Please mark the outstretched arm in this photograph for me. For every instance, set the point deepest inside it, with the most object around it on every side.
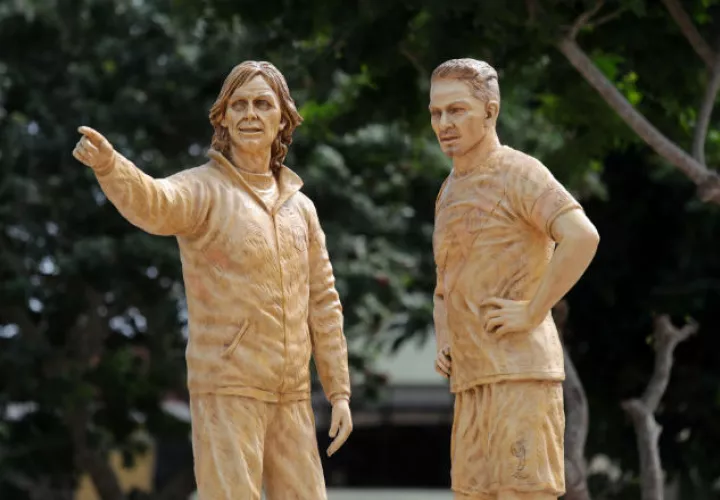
(172, 206)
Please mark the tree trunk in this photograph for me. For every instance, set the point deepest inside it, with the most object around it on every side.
(576, 419)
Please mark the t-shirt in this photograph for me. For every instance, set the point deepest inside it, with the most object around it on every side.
(264, 186)
(492, 239)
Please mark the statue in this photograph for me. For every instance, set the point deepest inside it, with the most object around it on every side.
(509, 243)
(260, 291)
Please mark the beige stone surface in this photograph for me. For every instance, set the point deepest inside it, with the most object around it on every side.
(259, 283)
(509, 435)
(509, 242)
(241, 443)
(492, 239)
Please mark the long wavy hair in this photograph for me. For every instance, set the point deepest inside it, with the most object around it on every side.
(240, 74)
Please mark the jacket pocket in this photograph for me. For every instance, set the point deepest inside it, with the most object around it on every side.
(299, 236)
(230, 348)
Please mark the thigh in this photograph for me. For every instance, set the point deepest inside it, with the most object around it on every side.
(470, 460)
(531, 443)
(228, 443)
(292, 468)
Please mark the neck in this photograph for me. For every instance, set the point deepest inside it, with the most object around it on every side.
(478, 155)
(256, 163)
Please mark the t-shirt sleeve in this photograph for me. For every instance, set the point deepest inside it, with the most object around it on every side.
(538, 197)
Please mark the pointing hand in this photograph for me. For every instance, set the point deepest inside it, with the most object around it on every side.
(93, 149)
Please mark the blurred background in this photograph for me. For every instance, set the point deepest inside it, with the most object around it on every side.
(614, 97)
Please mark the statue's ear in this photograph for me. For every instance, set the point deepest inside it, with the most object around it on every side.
(492, 109)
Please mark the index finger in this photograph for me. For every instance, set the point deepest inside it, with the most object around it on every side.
(493, 302)
(95, 137)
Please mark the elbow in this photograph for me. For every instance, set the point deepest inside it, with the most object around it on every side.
(592, 237)
(583, 238)
(588, 239)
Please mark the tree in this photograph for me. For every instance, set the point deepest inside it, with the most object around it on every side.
(693, 166)
(92, 308)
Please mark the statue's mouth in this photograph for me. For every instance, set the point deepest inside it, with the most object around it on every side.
(449, 138)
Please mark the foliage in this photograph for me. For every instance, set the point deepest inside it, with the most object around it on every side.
(93, 308)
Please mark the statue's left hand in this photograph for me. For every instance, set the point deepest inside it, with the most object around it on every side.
(508, 316)
(341, 425)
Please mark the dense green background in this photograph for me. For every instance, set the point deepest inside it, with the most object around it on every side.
(145, 74)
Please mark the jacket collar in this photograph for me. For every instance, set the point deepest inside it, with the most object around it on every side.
(288, 181)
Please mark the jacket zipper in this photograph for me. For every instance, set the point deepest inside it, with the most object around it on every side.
(282, 292)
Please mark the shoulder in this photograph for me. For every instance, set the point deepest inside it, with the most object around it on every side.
(200, 174)
(305, 205)
(443, 186)
(303, 201)
(521, 168)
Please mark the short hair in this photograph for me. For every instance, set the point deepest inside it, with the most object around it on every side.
(239, 75)
(481, 77)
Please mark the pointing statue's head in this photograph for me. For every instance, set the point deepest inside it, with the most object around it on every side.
(254, 111)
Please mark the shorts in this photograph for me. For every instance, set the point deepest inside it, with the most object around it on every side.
(241, 444)
(509, 436)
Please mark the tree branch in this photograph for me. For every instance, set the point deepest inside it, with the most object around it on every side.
(412, 58)
(90, 460)
(687, 27)
(576, 430)
(532, 9)
(667, 337)
(642, 411)
(85, 345)
(576, 419)
(87, 337)
(708, 181)
(706, 109)
(584, 19)
(609, 17)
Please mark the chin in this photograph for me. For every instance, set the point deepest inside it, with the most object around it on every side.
(452, 152)
(253, 145)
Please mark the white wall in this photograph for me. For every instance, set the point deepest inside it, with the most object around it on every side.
(412, 364)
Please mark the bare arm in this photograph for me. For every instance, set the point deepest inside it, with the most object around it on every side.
(577, 241)
(443, 363)
(548, 207)
(442, 337)
(172, 206)
(440, 315)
